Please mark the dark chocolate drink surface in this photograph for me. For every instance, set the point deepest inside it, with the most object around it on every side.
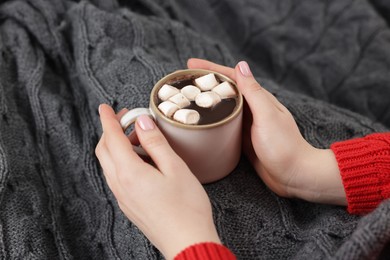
(210, 115)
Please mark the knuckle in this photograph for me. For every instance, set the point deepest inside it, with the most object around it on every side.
(121, 206)
(114, 133)
(122, 175)
(254, 86)
(177, 165)
(98, 149)
(154, 141)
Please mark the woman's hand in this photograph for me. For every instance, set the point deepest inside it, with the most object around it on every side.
(167, 203)
(285, 161)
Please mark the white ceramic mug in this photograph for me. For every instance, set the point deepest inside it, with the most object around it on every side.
(211, 151)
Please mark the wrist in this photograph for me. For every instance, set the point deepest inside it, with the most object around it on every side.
(320, 180)
(206, 250)
(188, 237)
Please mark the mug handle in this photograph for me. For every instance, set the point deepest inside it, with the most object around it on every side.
(129, 118)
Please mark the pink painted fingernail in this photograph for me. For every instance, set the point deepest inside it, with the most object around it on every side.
(244, 69)
(145, 122)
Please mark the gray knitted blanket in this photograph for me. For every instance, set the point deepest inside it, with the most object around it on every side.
(327, 61)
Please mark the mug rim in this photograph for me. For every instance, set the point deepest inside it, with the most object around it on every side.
(159, 84)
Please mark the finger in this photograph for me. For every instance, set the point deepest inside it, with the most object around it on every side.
(207, 65)
(155, 144)
(252, 157)
(258, 100)
(270, 96)
(106, 162)
(121, 113)
(247, 117)
(247, 146)
(132, 136)
(118, 146)
(275, 101)
(104, 157)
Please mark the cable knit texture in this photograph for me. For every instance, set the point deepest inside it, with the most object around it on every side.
(364, 165)
(328, 62)
(206, 251)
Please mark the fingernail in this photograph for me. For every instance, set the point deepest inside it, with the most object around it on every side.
(99, 108)
(145, 122)
(244, 68)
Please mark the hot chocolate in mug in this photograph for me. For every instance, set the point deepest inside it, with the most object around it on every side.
(211, 150)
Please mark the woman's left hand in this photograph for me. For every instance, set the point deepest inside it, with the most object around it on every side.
(168, 204)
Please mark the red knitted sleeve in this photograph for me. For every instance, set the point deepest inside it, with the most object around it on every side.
(206, 251)
(364, 165)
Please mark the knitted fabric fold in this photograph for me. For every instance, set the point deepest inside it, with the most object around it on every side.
(327, 61)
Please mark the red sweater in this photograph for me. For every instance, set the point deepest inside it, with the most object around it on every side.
(364, 165)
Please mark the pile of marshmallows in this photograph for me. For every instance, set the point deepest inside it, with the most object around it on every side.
(207, 93)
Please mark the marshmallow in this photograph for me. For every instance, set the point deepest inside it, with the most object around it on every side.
(167, 91)
(190, 92)
(187, 116)
(225, 90)
(207, 99)
(206, 82)
(180, 100)
(168, 108)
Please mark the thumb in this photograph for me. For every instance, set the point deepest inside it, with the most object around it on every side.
(259, 100)
(155, 144)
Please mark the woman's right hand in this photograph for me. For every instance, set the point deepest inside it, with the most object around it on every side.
(284, 160)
